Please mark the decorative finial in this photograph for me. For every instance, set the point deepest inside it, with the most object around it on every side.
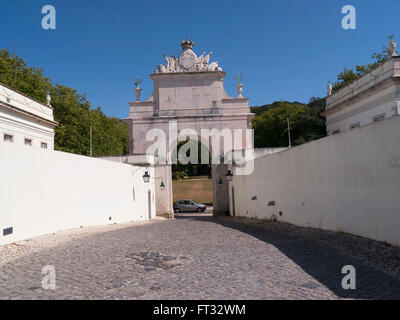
(48, 99)
(238, 78)
(239, 86)
(392, 46)
(187, 44)
(137, 82)
(330, 88)
(138, 90)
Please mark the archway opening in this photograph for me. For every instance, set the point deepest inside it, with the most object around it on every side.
(192, 177)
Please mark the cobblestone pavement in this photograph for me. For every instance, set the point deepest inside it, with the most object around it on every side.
(199, 257)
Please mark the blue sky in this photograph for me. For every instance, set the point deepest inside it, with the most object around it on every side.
(285, 49)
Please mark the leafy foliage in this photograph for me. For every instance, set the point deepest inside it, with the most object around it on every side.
(238, 78)
(306, 123)
(137, 82)
(180, 170)
(271, 127)
(72, 111)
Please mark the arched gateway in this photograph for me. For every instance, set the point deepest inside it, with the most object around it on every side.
(188, 94)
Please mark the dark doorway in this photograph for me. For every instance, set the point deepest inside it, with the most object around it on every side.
(149, 200)
(233, 202)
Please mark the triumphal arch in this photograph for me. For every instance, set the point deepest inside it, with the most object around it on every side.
(189, 94)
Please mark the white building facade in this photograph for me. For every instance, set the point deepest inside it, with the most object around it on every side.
(25, 121)
(188, 96)
(190, 91)
(373, 97)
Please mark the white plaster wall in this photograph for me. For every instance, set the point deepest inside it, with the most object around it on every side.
(164, 198)
(365, 111)
(21, 128)
(162, 173)
(44, 191)
(348, 182)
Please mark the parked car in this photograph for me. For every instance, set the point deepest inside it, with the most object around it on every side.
(189, 206)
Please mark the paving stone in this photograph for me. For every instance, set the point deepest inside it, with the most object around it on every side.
(199, 257)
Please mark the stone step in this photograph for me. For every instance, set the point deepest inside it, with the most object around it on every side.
(165, 215)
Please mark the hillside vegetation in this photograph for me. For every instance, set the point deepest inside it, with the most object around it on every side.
(72, 110)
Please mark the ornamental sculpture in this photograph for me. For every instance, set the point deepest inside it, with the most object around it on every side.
(392, 48)
(188, 61)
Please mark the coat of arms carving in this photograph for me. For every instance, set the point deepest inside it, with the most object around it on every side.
(188, 61)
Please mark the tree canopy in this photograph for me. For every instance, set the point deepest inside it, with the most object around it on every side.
(72, 110)
(306, 123)
(180, 170)
(271, 126)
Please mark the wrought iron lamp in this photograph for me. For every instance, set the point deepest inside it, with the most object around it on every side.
(146, 177)
(229, 175)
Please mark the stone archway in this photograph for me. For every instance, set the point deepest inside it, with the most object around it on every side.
(189, 95)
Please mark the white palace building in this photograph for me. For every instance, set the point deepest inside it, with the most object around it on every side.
(25, 121)
(373, 97)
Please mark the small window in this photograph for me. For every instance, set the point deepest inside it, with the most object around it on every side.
(379, 117)
(43, 145)
(355, 125)
(336, 132)
(28, 142)
(8, 138)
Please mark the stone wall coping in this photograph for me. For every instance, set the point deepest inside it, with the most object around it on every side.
(389, 69)
(18, 100)
(184, 74)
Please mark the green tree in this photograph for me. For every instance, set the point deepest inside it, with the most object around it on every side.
(306, 123)
(191, 169)
(72, 111)
(30, 80)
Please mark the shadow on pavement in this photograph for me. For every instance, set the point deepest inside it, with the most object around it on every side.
(321, 262)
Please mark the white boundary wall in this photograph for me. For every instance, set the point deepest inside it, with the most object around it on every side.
(348, 182)
(44, 191)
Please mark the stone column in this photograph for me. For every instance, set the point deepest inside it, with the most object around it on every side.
(164, 198)
(220, 193)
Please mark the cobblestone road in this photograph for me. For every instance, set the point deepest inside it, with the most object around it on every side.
(199, 257)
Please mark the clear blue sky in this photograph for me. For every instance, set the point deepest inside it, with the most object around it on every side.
(286, 49)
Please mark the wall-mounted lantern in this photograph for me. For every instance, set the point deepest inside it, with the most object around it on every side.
(162, 186)
(146, 177)
(220, 183)
(229, 175)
